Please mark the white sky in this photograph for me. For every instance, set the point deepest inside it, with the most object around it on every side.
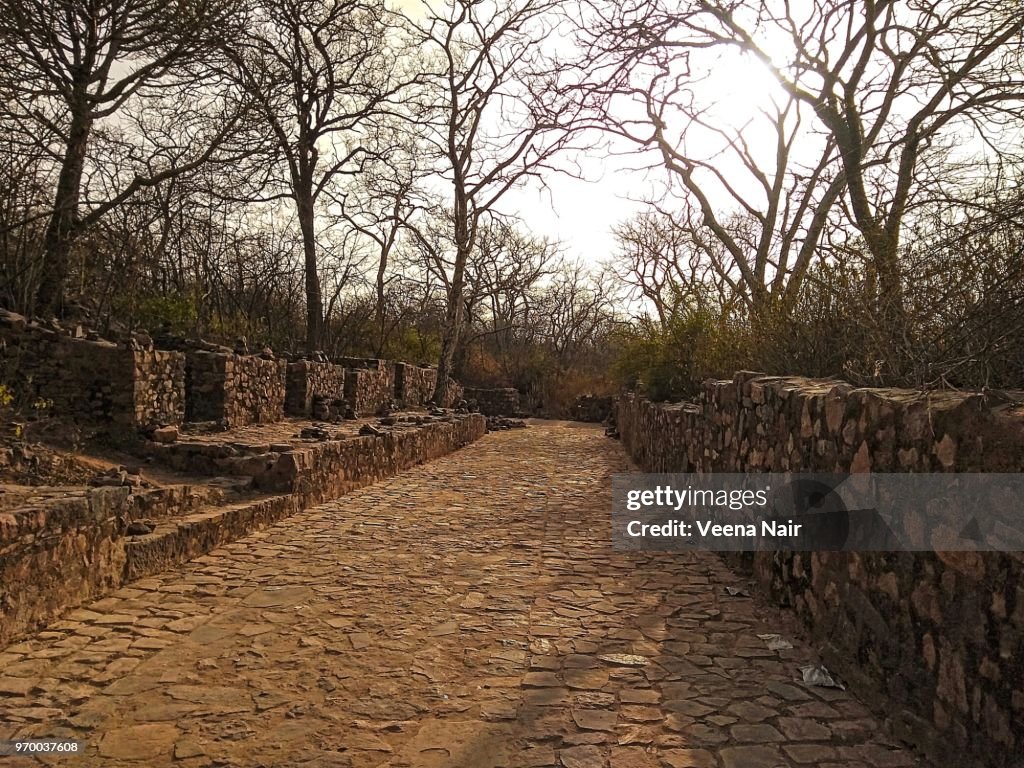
(581, 213)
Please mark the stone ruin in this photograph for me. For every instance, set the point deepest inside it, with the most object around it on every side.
(136, 385)
(414, 384)
(315, 389)
(67, 543)
(369, 384)
(494, 402)
(116, 388)
(233, 390)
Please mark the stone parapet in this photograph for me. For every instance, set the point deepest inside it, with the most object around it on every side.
(939, 635)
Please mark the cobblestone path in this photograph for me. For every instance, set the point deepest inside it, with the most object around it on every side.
(469, 613)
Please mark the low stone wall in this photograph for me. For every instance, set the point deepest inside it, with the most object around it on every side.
(58, 552)
(233, 390)
(68, 547)
(369, 385)
(95, 383)
(939, 635)
(326, 470)
(494, 402)
(199, 533)
(414, 384)
(309, 381)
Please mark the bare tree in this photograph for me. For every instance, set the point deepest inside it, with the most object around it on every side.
(888, 81)
(493, 120)
(755, 196)
(503, 278)
(577, 312)
(883, 89)
(663, 264)
(24, 201)
(321, 73)
(381, 203)
(71, 63)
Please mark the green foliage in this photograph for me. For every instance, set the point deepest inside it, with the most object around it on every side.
(413, 345)
(176, 310)
(669, 361)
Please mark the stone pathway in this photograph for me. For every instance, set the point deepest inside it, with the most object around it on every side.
(469, 613)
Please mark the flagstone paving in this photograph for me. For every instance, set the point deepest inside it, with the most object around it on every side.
(469, 613)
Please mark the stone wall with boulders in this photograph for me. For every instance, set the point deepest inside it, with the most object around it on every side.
(312, 384)
(233, 390)
(414, 384)
(109, 386)
(369, 384)
(494, 402)
(939, 635)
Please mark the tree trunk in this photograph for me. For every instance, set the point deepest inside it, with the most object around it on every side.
(381, 317)
(61, 229)
(314, 299)
(452, 326)
(884, 250)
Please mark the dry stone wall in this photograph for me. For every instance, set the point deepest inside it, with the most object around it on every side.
(116, 387)
(159, 388)
(494, 402)
(414, 384)
(69, 546)
(97, 383)
(369, 384)
(59, 552)
(234, 390)
(310, 382)
(332, 468)
(939, 635)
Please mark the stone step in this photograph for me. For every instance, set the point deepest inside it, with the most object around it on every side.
(57, 558)
(179, 540)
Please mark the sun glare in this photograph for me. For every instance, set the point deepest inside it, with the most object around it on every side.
(740, 87)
